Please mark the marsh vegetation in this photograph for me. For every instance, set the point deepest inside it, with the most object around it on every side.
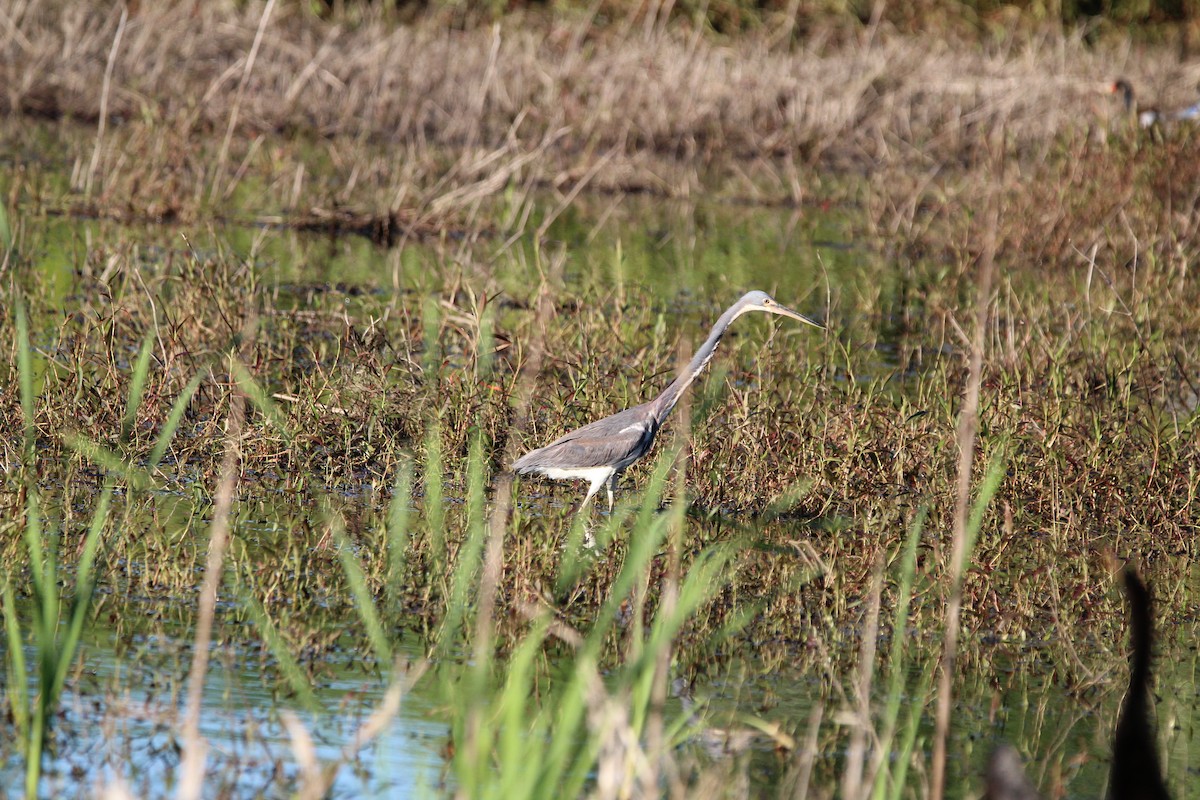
(286, 294)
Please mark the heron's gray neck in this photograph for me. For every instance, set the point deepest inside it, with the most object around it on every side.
(670, 396)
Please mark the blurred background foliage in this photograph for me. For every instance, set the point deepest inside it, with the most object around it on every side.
(738, 16)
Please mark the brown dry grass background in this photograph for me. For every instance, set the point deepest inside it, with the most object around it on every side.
(188, 110)
(660, 105)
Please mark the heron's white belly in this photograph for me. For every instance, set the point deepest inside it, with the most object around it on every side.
(596, 475)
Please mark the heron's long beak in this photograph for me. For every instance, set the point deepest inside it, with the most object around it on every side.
(787, 312)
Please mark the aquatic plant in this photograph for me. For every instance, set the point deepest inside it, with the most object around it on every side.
(58, 616)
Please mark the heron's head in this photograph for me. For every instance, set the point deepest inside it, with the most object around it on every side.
(761, 301)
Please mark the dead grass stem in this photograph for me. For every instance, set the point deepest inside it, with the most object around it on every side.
(968, 427)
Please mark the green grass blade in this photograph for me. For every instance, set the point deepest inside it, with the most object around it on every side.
(33, 537)
(921, 700)
(293, 673)
(258, 397)
(707, 575)
(33, 519)
(84, 587)
(6, 234)
(18, 697)
(33, 754)
(113, 464)
(397, 534)
(364, 602)
(25, 376)
(987, 490)
(48, 659)
(649, 530)
(471, 552)
(435, 501)
(173, 419)
(897, 656)
(137, 385)
(519, 743)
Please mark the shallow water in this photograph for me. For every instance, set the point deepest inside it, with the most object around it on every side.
(122, 714)
(123, 708)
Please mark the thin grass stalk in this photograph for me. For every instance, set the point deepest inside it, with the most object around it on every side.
(45, 630)
(807, 754)
(251, 391)
(435, 506)
(137, 385)
(223, 156)
(85, 585)
(397, 535)
(105, 88)
(493, 558)
(967, 428)
(191, 780)
(469, 556)
(111, 462)
(33, 521)
(6, 236)
(18, 697)
(897, 657)
(431, 323)
(312, 777)
(651, 695)
(660, 675)
(856, 751)
(908, 742)
(41, 565)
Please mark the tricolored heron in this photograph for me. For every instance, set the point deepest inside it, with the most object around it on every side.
(600, 451)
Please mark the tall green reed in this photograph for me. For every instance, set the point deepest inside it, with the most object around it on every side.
(538, 726)
(6, 235)
(58, 619)
(889, 781)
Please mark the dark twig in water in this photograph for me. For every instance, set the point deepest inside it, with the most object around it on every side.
(1136, 773)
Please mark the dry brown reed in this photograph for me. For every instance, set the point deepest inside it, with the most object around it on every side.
(960, 547)
(192, 768)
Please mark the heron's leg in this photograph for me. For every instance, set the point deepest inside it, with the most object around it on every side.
(589, 541)
(595, 487)
(612, 487)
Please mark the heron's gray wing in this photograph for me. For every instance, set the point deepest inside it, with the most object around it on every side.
(615, 441)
